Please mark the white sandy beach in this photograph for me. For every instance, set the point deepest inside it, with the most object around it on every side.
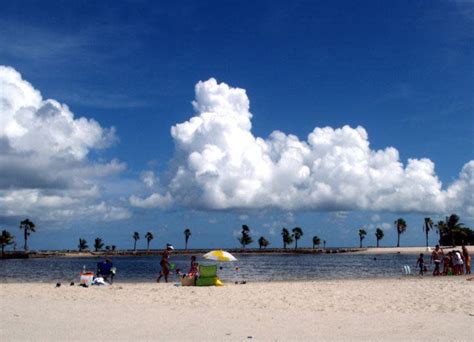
(412, 308)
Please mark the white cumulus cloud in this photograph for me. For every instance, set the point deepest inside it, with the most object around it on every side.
(219, 165)
(45, 168)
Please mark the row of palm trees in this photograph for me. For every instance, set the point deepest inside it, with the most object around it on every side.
(98, 243)
(379, 234)
(451, 231)
(287, 237)
(7, 238)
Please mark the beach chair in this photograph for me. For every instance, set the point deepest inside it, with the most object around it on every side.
(207, 275)
(106, 271)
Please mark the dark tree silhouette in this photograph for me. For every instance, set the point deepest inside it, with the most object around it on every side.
(401, 227)
(5, 239)
(187, 234)
(28, 227)
(82, 245)
(316, 241)
(148, 236)
(362, 234)
(98, 244)
(135, 237)
(262, 242)
(297, 233)
(287, 237)
(427, 227)
(379, 235)
(245, 239)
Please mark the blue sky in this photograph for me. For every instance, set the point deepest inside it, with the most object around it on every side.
(402, 70)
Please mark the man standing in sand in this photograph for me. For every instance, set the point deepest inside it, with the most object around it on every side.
(436, 256)
(164, 263)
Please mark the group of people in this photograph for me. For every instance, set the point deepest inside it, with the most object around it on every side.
(455, 262)
(166, 265)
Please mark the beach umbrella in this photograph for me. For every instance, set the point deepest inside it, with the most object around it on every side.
(219, 255)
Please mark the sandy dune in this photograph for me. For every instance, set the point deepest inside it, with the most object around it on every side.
(383, 309)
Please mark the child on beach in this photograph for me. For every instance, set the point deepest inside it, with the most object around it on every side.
(193, 270)
(421, 264)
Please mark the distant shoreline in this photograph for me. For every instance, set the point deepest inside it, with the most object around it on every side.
(237, 251)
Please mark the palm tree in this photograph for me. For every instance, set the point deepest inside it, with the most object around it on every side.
(187, 234)
(135, 237)
(82, 245)
(28, 228)
(148, 236)
(245, 239)
(297, 233)
(427, 227)
(98, 244)
(362, 234)
(287, 237)
(401, 226)
(379, 235)
(454, 232)
(5, 239)
(262, 242)
(316, 241)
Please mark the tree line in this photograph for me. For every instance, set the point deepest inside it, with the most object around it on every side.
(450, 230)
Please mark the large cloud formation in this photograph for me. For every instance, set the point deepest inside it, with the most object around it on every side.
(219, 164)
(44, 164)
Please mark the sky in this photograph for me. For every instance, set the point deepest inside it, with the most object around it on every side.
(123, 116)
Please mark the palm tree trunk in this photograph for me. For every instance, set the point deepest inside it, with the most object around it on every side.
(148, 246)
(427, 238)
(360, 243)
(135, 246)
(26, 239)
(296, 244)
(377, 243)
(186, 245)
(398, 239)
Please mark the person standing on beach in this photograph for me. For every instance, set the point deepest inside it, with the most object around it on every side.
(467, 259)
(458, 263)
(165, 264)
(436, 256)
(421, 263)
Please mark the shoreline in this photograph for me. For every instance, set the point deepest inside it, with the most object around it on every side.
(272, 251)
(359, 309)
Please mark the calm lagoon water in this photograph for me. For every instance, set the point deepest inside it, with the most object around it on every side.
(263, 267)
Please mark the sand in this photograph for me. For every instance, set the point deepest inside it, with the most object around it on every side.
(409, 308)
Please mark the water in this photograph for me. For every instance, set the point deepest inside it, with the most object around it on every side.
(262, 267)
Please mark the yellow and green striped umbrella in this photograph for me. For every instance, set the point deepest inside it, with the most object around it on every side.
(219, 255)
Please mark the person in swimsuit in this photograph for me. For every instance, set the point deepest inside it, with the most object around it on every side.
(436, 256)
(193, 270)
(165, 264)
